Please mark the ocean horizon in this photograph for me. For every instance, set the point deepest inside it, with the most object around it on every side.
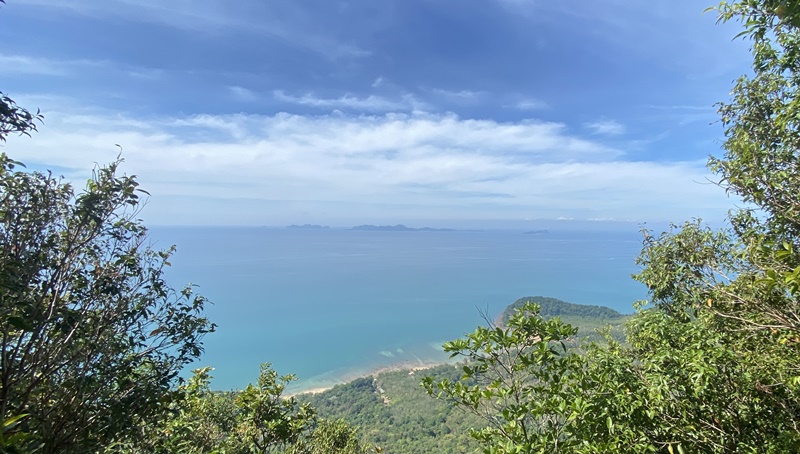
(329, 305)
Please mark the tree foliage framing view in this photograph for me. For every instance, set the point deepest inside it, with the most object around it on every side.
(92, 338)
(712, 365)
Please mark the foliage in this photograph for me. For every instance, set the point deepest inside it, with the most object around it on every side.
(677, 386)
(392, 411)
(514, 378)
(12, 440)
(15, 119)
(331, 437)
(91, 336)
(740, 285)
(269, 419)
(595, 323)
(712, 364)
(259, 419)
(198, 420)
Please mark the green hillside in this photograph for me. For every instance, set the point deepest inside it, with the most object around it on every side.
(391, 410)
(552, 307)
(589, 319)
(394, 412)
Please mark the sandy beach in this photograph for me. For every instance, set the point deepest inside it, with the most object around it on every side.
(410, 366)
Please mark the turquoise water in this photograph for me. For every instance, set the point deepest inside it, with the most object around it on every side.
(328, 305)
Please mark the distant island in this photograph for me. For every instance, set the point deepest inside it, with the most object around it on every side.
(308, 227)
(536, 232)
(397, 228)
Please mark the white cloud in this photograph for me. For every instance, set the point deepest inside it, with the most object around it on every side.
(20, 64)
(256, 169)
(683, 107)
(459, 95)
(370, 103)
(606, 127)
(685, 114)
(41, 66)
(242, 94)
(149, 74)
(26, 64)
(529, 104)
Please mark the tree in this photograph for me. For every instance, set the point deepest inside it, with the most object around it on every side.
(517, 378)
(271, 421)
(91, 336)
(259, 419)
(199, 421)
(268, 421)
(712, 364)
(679, 384)
(332, 437)
(15, 119)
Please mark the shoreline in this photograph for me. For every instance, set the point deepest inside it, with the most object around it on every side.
(411, 366)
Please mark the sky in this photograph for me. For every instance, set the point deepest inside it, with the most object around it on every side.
(423, 112)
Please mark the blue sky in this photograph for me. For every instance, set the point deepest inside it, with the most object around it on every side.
(436, 112)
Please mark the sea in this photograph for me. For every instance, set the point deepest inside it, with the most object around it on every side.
(332, 304)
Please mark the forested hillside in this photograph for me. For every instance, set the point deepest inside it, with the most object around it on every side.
(593, 322)
(552, 307)
(392, 409)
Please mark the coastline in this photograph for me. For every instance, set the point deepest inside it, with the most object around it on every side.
(409, 365)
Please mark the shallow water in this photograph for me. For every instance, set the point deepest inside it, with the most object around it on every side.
(328, 305)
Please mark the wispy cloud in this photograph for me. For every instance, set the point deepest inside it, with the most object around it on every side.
(242, 94)
(33, 65)
(209, 16)
(682, 107)
(150, 74)
(361, 165)
(674, 31)
(684, 114)
(20, 64)
(459, 95)
(606, 127)
(529, 104)
(42, 66)
(372, 103)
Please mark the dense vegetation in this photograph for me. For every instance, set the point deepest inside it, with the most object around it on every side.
(712, 365)
(92, 338)
(594, 323)
(257, 419)
(393, 411)
(552, 307)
